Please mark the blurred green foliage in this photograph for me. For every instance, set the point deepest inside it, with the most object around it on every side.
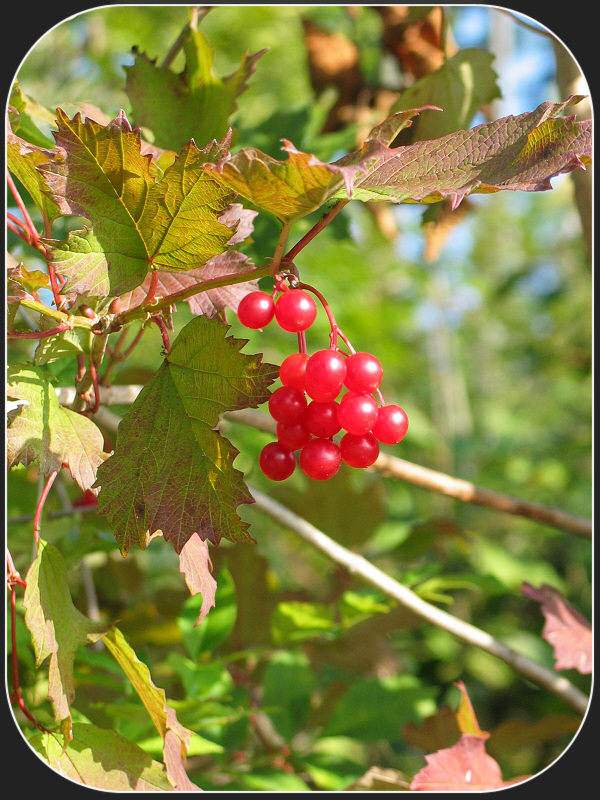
(488, 348)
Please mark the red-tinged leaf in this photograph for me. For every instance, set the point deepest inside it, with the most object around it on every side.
(40, 428)
(566, 629)
(57, 628)
(194, 104)
(171, 471)
(208, 303)
(293, 188)
(195, 564)
(102, 759)
(465, 767)
(465, 716)
(139, 215)
(176, 737)
(515, 153)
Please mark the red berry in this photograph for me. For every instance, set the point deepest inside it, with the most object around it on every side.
(325, 373)
(321, 419)
(292, 370)
(293, 436)
(320, 459)
(391, 425)
(276, 461)
(88, 498)
(363, 373)
(295, 311)
(287, 404)
(357, 413)
(256, 310)
(359, 451)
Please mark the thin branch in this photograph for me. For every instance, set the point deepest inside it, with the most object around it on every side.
(170, 300)
(317, 228)
(357, 565)
(160, 323)
(64, 326)
(40, 506)
(393, 467)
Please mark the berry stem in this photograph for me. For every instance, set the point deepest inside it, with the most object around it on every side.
(302, 342)
(278, 254)
(64, 326)
(308, 237)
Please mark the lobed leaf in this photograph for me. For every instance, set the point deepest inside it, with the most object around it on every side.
(40, 428)
(139, 217)
(102, 759)
(57, 627)
(171, 471)
(514, 153)
(465, 767)
(195, 104)
(566, 629)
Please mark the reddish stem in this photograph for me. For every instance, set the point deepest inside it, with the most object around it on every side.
(18, 222)
(308, 237)
(64, 326)
(163, 331)
(40, 506)
(24, 235)
(335, 330)
(94, 375)
(16, 693)
(138, 336)
(302, 342)
(28, 221)
(152, 288)
(59, 301)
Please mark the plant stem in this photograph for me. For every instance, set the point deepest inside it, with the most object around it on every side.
(152, 288)
(54, 313)
(279, 248)
(28, 221)
(213, 283)
(39, 334)
(40, 506)
(160, 323)
(357, 565)
(308, 237)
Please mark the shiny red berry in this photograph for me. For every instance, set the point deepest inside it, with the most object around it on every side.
(292, 371)
(391, 425)
(256, 310)
(357, 413)
(325, 373)
(320, 459)
(359, 451)
(287, 404)
(295, 310)
(293, 435)
(363, 373)
(321, 419)
(276, 461)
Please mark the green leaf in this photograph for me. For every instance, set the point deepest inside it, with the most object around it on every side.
(27, 116)
(171, 471)
(138, 219)
(101, 759)
(375, 709)
(293, 621)
(57, 627)
(202, 635)
(464, 83)
(176, 737)
(287, 689)
(515, 153)
(42, 429)
(195, 104)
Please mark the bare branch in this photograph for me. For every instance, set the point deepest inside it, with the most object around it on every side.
(388, 465)
(357, 565)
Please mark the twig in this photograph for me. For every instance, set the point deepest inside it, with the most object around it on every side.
(64, 326)
(392, 466)
(317, 228)
(160, 323)
(357, 565)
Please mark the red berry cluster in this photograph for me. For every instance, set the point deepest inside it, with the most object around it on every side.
(308, 408)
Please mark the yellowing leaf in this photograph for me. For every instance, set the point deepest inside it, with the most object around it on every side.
(57, 627)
